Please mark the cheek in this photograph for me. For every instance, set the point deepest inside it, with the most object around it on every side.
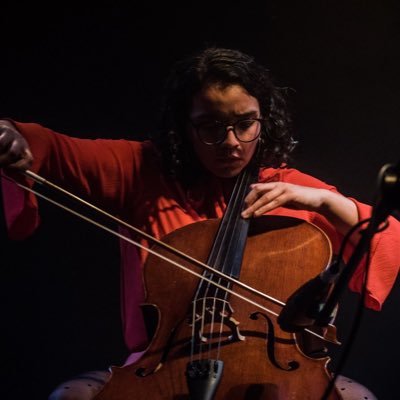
(250, 149)
(203, 152)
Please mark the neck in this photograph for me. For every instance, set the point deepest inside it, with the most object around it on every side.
(227, 185)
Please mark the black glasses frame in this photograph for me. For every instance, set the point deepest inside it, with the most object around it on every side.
(227, 127)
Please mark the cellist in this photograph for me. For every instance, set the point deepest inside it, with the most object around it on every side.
(221, 110)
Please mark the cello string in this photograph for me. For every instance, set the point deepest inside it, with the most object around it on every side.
(235, 206)
(222, 268)
(242, 192)
(202, 294)
(204, 288)
(176, 264)
(230, 218)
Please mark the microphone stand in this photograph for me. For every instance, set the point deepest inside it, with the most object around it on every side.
(389, 184)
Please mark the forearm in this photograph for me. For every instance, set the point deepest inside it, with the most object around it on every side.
(100, 170)
(339, 210)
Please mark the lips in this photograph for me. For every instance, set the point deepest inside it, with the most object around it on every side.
(229, 160)
(228, 157)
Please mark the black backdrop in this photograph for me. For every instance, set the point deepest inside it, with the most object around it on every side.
(96, 72)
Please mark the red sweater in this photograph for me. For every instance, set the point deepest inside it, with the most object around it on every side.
(125, 178)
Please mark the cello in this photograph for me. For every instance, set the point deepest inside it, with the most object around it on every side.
(206, 343)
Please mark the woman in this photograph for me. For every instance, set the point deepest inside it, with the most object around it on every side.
(221, 113)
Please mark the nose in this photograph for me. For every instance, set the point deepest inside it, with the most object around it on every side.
(230, 138)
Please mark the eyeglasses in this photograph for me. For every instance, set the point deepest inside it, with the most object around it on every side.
(215, 132)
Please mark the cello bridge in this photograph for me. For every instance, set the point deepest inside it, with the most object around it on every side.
(214, 321)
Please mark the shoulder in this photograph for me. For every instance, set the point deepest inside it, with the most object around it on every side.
(143, 154)
(145, 147)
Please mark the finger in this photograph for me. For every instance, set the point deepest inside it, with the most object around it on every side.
(7, 156)
(268, 201)
(261, 207)
(5, 142)
(271, 205)
(23, 163)
(256, 191)
(16, 157)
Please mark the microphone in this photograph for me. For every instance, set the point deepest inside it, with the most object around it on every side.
(304, 306)
(388, 198)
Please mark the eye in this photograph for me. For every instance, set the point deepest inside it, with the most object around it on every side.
(245, 124)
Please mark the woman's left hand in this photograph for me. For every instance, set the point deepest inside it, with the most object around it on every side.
(264, 197)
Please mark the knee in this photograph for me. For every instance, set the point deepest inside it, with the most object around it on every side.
(82, 387)
(349, 389)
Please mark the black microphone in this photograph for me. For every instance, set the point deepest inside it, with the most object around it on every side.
(303, 307)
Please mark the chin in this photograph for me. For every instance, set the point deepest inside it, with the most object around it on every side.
(227, 172)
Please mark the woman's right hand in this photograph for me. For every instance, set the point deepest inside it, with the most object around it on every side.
(14, 149)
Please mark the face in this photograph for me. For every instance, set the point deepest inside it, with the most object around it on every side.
(226, 104)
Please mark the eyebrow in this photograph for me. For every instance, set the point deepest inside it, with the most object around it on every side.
(208, 117)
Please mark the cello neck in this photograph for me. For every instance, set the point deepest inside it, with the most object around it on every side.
(227, 251)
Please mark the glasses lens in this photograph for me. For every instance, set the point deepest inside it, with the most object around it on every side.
(210, 133)
(247, 130)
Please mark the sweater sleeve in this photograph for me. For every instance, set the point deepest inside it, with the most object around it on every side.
(385, 246)
(384, 262)
(103, 171)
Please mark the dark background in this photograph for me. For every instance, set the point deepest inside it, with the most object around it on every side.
(97, 72)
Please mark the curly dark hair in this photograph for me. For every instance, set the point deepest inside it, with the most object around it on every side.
(224, 67)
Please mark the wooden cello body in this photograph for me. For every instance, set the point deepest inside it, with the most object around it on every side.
(231, 349)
